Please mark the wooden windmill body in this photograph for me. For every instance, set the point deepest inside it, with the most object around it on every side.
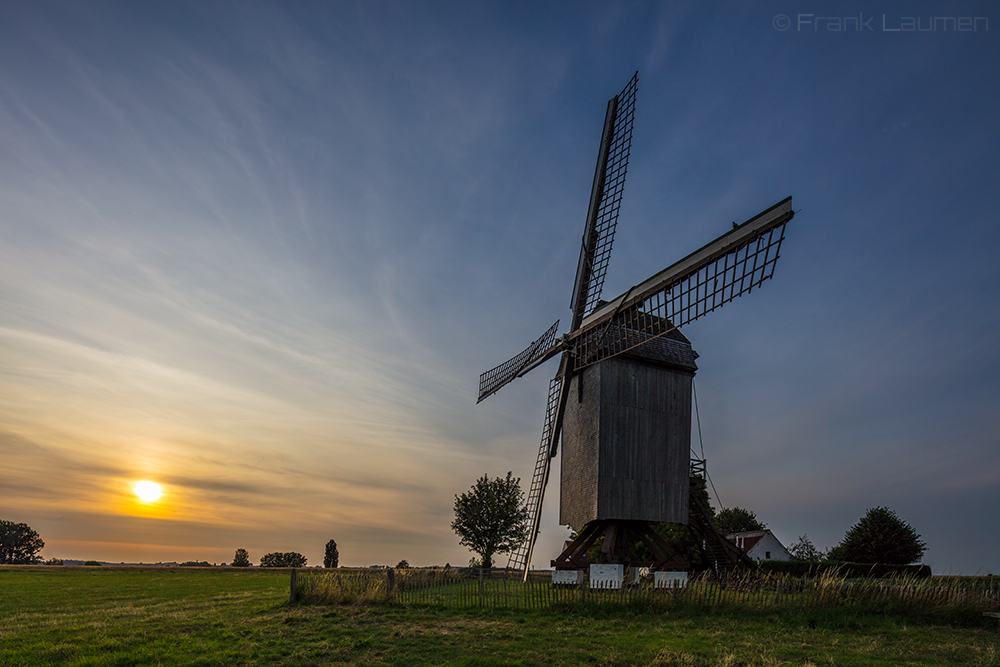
(621, 400)
(626, 437)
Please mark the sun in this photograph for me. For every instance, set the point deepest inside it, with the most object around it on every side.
(148, 492)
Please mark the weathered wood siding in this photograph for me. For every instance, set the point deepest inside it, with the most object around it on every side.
(627, 437)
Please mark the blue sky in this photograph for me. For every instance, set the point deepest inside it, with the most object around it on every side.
(259, 253)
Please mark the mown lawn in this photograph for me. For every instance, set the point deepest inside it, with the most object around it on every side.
(214, 617)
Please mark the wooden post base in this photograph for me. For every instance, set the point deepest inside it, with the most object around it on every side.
(618, 534)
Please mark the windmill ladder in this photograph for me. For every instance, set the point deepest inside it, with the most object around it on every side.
(520, 558)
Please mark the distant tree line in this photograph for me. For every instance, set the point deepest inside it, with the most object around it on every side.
(331, 558)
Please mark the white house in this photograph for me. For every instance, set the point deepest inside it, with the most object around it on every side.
(760, 545)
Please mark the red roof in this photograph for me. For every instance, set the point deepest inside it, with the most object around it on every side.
(747, 540)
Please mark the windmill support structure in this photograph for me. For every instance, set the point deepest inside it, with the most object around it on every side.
(619, 535)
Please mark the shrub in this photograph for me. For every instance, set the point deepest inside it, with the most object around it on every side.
(286, 559)
(805, 550)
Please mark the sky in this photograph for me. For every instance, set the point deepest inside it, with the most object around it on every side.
(259, 254)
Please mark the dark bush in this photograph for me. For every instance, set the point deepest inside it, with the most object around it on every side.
(286, 559)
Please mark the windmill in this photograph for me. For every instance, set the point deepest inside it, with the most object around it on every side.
(626, 429)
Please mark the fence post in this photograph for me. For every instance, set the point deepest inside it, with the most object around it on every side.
(480, 587)
(291, 592)
(390, 580)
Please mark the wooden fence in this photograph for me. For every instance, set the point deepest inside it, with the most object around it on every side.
(480, 588)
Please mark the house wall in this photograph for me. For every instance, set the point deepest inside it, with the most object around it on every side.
(769, 544)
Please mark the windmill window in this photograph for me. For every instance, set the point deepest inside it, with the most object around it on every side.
(767, 555)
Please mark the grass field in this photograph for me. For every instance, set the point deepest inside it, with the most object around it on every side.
(187, 616)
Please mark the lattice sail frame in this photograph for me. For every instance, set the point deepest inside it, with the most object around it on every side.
(608, 189)
(520, 558)
(728, 267)
(495, 378)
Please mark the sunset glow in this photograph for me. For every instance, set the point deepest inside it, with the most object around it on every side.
(148, 492)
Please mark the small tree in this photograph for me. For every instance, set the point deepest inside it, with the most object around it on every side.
(402, 565)
(331, 558)
(880, 537)
(738, 520)
(241, 559)
(19, 544)
(805, 550)
(286, 559)
(491, 517)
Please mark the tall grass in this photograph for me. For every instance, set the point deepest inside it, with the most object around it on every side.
(344, 587)
(748, 591)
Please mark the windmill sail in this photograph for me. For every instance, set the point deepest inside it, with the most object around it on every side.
(520, 558)
(495, 378)
(598, 237)
(706, 279)
(605, 201)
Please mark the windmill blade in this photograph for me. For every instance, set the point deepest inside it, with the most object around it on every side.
(538, 351)
(714, 275)
(605, 201)
(520, 558)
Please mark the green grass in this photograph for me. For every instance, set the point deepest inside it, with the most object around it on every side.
(211, 617)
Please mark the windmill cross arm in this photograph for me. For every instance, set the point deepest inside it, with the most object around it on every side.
(561, 345)
(742, 234)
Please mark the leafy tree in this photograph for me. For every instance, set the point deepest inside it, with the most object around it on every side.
(241, 559)
(286, 559)
(19, 544)
(880, 537)
(805, 550)
(491, 517)
(737, 520)
(332, 557)
(402, 565)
